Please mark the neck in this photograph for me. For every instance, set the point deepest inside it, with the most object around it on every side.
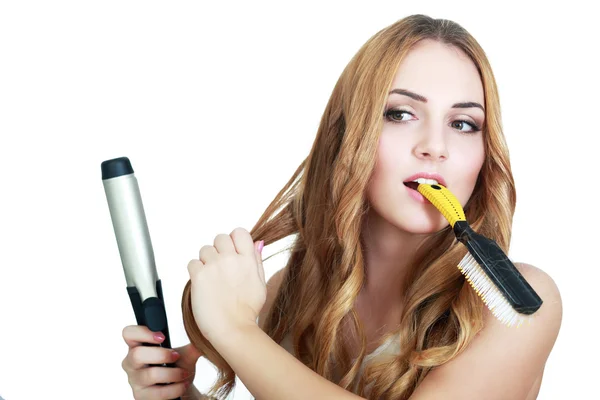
(388, 252)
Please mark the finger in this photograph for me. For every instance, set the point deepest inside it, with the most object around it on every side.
(242, 241)
(224, 244)
(154, 375)
(159, 392)
(135, 335)
(193, 266)
(139, 357)
(208, 253)
(259, 263)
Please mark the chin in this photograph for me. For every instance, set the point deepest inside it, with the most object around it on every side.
(421, 223)
(418, 219)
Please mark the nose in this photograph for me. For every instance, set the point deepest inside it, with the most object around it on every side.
(432, 145)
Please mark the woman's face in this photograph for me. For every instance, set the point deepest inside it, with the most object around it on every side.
(429, 134)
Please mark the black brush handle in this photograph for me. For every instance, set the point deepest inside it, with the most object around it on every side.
(499, 269)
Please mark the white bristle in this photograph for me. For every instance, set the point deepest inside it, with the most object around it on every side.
(489, 293)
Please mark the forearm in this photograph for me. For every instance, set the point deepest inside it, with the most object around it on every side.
(269, 372)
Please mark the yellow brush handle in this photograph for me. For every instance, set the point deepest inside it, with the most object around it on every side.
(444, 201)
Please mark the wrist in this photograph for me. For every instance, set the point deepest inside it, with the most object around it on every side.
(228, 335)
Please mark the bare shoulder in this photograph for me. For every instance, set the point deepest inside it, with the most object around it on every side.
(548, 318)
(503, 362)
(272, 288)
(546, 288)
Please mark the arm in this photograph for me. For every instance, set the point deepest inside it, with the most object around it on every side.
(500, 363)
(272, 287)
(272, 379)
(270, 372)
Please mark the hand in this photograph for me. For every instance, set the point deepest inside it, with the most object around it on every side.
(228, 287)
(143, 379)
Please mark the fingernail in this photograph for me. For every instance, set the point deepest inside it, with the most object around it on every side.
(159, 336)
(187, 384)
(175, 354)
(261, 244)
(185, 374)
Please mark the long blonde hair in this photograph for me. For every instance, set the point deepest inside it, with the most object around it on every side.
(324, 203)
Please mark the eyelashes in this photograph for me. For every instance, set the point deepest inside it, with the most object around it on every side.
(475, 128)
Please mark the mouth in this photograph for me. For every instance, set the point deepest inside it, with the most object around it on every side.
(412, 185)
(414, 193)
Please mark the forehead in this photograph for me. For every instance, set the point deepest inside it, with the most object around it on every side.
(441, 73)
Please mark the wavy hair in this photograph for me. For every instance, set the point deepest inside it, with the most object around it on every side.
(324, 204)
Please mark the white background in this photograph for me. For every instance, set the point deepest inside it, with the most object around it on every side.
(216, 106)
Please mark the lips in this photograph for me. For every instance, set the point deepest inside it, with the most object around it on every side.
(415, 194)
(427, 175)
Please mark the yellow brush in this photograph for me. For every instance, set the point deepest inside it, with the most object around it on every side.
(489, 271)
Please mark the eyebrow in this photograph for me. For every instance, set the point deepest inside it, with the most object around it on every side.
(423, 99)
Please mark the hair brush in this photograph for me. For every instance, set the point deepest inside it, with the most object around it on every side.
(490, 272)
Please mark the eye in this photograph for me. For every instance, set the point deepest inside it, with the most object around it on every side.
(457, 124)
(391, 112)
(462, 122)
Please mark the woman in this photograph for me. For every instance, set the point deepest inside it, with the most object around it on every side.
(371, 301)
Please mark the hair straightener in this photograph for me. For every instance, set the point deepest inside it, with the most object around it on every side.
(135, 247)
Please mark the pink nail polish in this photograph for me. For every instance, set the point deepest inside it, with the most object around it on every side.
(261, 244)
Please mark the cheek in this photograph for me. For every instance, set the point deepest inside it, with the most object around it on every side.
(469, 171)
(390, 153)
(386, 168)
